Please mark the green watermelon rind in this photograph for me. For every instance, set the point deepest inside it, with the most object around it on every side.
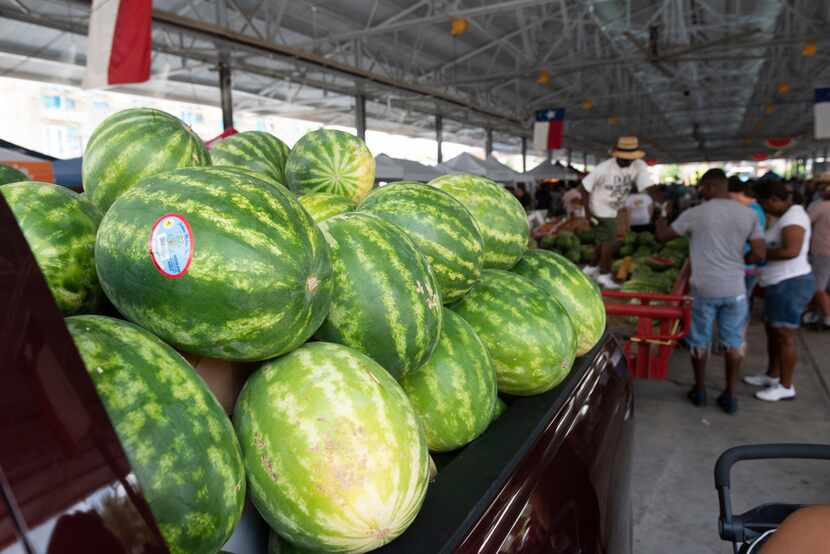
(9, 174)
(256, 151)
(325, 205)
(259, 284)
(442, 228)
(335, 457)
(180, 444)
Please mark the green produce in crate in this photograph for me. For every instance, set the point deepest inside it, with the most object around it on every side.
(178, 440)
(136, 143)
(586, 236)
(573, 254)
(324, 205)
(681, 244)
(566, 283)
(442, 228)
(548, 242)
(587, 253)
(235, 268)
(454, 393)
(335, 456)
(60, 227)
(385, 300)
(630, 237)
(626, 250)
(8, 174)
(500, 217)
(568, 240)
(644, 251)
(529, 336)
(332, 161)
(659, 264)
(257, 151)
(646, 238)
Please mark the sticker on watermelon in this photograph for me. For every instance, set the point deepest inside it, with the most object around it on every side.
(171, 245)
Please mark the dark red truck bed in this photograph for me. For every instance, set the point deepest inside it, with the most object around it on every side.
(551, 475)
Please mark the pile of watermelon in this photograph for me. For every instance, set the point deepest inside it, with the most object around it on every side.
(383, 323)
(644, 265)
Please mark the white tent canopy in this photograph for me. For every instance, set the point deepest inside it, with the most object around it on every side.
(387, 169)
(547, 170)
(416, 171)
(464, 163)
(497, 171)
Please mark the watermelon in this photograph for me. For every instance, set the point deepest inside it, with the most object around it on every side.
(323, 205)
(385, 300)
(335, 457)
(136, 143)
(331, 161)
(236, 269)
(278, 545)
(180, 444)
(565, 282)
(501, 407)
(257, 151)
(500, 217)
(529, 336)
(442, 228)
(60, 228)
(454, 393)
(8, 174)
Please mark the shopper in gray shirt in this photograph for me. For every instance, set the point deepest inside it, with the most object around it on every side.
(717, 231)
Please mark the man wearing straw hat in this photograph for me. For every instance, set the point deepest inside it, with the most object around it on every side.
(605, 191)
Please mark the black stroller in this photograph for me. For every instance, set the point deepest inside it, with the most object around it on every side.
(750, 530)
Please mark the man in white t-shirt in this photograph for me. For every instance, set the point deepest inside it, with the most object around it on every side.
(605, 191)
(640, 208)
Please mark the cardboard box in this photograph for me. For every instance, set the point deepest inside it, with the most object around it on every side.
(225, 379)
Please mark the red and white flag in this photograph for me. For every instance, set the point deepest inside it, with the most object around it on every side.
(120, 42)
(547, 130)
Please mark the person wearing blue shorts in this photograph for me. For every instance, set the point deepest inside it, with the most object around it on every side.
(718, 229)
(789, 285)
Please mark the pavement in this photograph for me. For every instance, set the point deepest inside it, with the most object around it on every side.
(676, 445)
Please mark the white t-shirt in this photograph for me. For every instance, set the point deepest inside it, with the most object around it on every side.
(779, 270)
(609, 185)
(639, 208)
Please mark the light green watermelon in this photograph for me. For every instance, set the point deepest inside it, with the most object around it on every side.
(177, 438)
(500, 217)
(385, 300)
(257, 151)
(501, 407)
(8, 174)
(331, 161)
(335, 457)
(60, 228)
(235, 268)
(323, 205)
(136, 143)
(529, 336)
(454, 393)
(444, 231)
(565, 282)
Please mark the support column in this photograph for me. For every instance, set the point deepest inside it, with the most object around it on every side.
(360, 116)
(585, 162)
(550, 156)
(225, 90)
(569, 157)
(524, 154)
(439, 135)
(488, 143)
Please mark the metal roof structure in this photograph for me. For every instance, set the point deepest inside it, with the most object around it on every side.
(694, 79)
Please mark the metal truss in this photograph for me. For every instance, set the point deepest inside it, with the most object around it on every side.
(695, 79)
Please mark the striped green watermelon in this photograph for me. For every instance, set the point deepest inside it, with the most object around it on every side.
(278, 545)
(8, 174)
(331, 161)
(323, 205)
(565, 282)
(236, 269)
(454, 393)
(133, 144)
(441, 227)
(177, 438)
(501, 407)
(335, 457)
(255, 150)
(384, 300)
(500, 217)
(60, 228)
(528, 335)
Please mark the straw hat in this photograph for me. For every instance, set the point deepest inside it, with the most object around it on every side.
(628, 148)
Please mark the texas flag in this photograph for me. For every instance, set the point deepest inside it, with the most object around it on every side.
(119, 43)
(822, 113)
(547, 131)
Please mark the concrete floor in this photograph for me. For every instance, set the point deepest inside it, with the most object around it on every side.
(676, 445)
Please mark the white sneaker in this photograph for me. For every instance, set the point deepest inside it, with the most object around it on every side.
(607, 282)
(762, 380)
(775, 393)
(591, 270)
(810, 317)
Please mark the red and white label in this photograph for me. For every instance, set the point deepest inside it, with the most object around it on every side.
(171, 245)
